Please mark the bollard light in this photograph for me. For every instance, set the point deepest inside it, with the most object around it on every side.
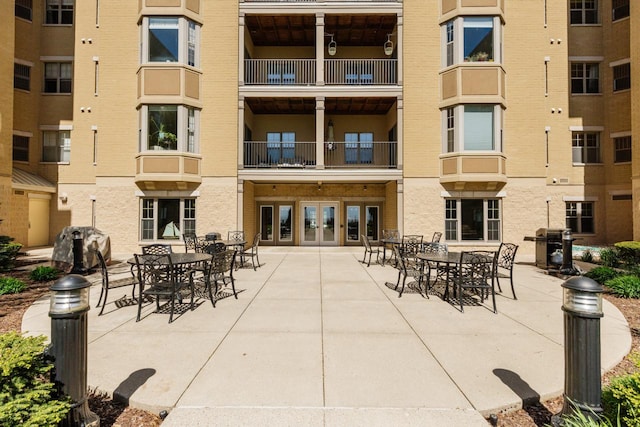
(69, 304)
(582, 306)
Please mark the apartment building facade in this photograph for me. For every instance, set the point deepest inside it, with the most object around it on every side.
(313, 122)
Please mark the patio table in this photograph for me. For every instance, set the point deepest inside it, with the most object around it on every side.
(447, 259)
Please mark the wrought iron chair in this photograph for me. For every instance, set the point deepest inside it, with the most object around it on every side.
(251, 252)
(214, 247)
(439, 270)
(408, 266)
(157, 249)
(108, 284)
(157, 278)
(476, 272)
(436, 237)
(237, 236)
(412, 243)
(388, 234)
(506, 259)
(190, 242)
(369, 250)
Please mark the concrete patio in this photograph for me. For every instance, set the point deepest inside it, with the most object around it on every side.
(318, 339)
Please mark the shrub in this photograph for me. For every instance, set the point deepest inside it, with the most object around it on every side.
(587, 256)
(44, 274)
(27, 397)
(601, 274)
(579, 419)
(621, 398)
(8, 252)
(628, 253)
(11, 285)
(627, 286)
(609, 257)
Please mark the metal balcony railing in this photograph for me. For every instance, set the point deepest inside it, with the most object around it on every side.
(280, 72)
(361, 71)
(373, 154)
(263, 154)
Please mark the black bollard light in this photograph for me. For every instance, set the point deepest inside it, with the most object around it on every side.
(567, 254)
(582, 306)
(68, 309)
(78, 254)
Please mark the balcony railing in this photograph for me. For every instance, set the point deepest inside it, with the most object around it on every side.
(263, 154)
(373, 154)
(280, 72)
(361, 71)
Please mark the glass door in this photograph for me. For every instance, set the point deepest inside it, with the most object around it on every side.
(319, 223)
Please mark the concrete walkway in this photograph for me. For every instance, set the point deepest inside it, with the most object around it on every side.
(318, 339)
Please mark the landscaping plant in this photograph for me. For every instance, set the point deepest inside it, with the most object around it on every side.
(609, 257)
(8, 252)
(27, 396)
(627, 286)
(601, 274)
(628, 253)
(11, 285)
(587, 256)
(621, 398)
(44, 274)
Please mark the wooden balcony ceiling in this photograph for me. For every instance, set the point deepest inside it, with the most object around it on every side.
(355, 106)
(300, 30)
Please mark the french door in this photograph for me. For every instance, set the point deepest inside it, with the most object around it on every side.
(319, 223)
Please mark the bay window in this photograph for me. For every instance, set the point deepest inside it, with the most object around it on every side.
(170, 127)
(472, 127)
(472, 219)
(471, 39)
(167, 219)
(170, 39)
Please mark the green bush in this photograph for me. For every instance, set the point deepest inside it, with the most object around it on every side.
(579, 419)
(8, 252)
(601, 274)
(44, 274)
(628, 253)
(621, 398)
(609, 257)
(27, 396)
(587, 256)
(11, 285)
(627, 286)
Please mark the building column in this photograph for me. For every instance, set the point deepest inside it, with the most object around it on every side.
(240, 132)
(241, 49)
(400, 133)
(399, 47)
(320, 49)
(240, 214)
(400, 206)
(320, 137)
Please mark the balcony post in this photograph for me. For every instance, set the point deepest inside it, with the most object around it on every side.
(320, 136)
(320, 49)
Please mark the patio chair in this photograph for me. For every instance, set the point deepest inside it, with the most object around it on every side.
(112, 284)
(388, 234)
(214, 247)
(251, 252)
(476, 272)
(157, 249)
(157, 278)
(408, 266)
(237, 236)
(368, 249)
(439, 270)
(505, 261)
(412, 243)
(190, 242)
(436, 237)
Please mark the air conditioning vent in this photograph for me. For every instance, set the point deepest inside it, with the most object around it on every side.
(564, 180)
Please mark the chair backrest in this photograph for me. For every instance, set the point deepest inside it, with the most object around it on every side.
(435, 248)
(190, 242)
(400, 258)
(156, 249)
(411, 243)
(256, 240)
(215, 247)
(103, 268)
(223, 262)
(237, 235)
(155, 269)
(391, 234)
(476, 267)
(436, 237)
(507, 255)
(365, 242)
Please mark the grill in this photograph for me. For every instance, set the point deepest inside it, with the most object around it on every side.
(548, 241)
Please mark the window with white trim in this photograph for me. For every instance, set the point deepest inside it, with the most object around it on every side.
(170, 39)
(583, 12)
(622, 77)
(59, 12)
(24, 9)
(353, 223)
(619, 9)
(285, 220)
(167, 219)
(585, 77)
(471, 39)
(170, 127)
(20, 148)
(358, 147)
(622, 149)
(586, 147)
(580, 217)
(56, 146)
(57, 77)
(472, 127)
(21, 76)
(451, 130)
(472, 219)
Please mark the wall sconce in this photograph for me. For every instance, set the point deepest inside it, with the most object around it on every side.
(364, 188)
(273, 188)
(388, 46)
(63, 197)
(319, 185)
(332, 47)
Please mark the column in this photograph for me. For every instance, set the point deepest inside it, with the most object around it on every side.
(241, 49)
(320, 39)
(320, 137)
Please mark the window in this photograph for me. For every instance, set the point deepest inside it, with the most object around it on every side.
(583, 12)
(622, 149)
(586, 147)
(57, 77)
(281, 147)
(479, 125)
(622, 77)
(451, 130)
(579, 217)
(472, 219)
(478, 39)
(471, 39)
(171, 39)
(353, 223)
(286, 215)
(59, 12)
(24, 9)
(20, 148)
(21, 76)
(449, 43)
(358, 147)
(266, 223)
(56, 146)
(619, 9)
(373, 222)
(171, 127)
(162, 219)
(585, 78)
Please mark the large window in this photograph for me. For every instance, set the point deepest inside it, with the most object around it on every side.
(358, 147)
(579, 217)
(622, 149)
(622, 77)
(472, 219)
(478, 39)
(585, 77)
(59, 12)
(353, 223)
(373, 222)
(281, 147)
(471, 39)
(170, 127)
(619, 9)
(171, 39)
(286, 217)
(583, 12)
(586, 147)
(24, 9)
(21, 76)
(472, 127)
(57, 77)
(451, 130)
(56, 146)
(167, 219)
(20, 148)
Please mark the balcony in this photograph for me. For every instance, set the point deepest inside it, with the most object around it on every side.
(280, 72)
(358, 155)
(361, 71)
(469, 167)
(263, 154)
(176, 169)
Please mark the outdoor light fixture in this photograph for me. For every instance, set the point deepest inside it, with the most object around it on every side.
(364, 188)
(388, 46)
(332, 47)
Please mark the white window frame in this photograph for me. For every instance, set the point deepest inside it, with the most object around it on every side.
(359, 220)
(149, 216)
(580, 153)
(459, 129)
(62, 146)
(453, 219)
(188, 126)
(189, 41)
(452, 42)
(291, 219)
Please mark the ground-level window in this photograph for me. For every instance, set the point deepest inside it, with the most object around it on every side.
(286, 216)
(353, 223)
(56, 146)
(579, 217)
(167, 219)
(373, 222)
(266, 223)
(472, 219)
